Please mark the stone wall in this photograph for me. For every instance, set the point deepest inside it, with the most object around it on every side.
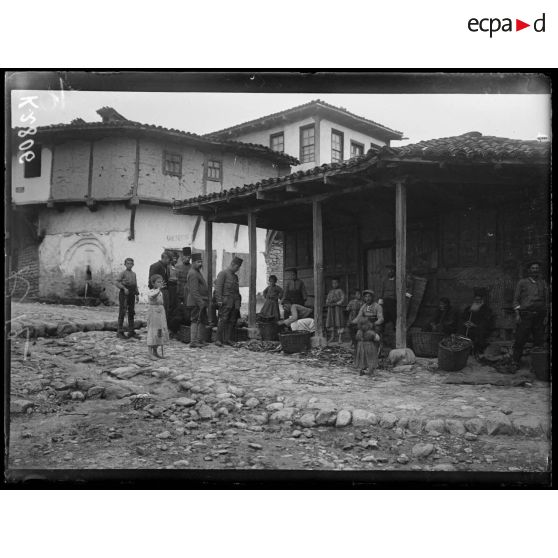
(274, 259)
(23, 279)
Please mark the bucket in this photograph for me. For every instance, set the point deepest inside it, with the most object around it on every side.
(269, 331)
(540, 365)
(295, 342)
(453, 360)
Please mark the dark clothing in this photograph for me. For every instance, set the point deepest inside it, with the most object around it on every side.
(390, 310)
(158, 268)
(227, 288)
(198, 292)
(127, 303)
(182, 271)
(270, 309)
(531, 294)
(479, 334)
(387, 289)
(199, 315)
(295, 291)
(532, 323)
(444, 321)
(180, 316)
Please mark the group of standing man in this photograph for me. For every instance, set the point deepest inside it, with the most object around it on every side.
(186, 295)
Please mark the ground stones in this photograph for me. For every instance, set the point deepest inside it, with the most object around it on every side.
(498, 424)
(475, 426)
(422, 450)
(388, 420)
(455, 427)
(185, 402)
(529, 426)
(435, 426)
(20, 405)
(363, 418)
(283, 415)
(343, 418)
(307, 420)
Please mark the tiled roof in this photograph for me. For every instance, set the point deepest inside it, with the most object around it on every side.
(472, 147)
(394, 134)
(236, 146)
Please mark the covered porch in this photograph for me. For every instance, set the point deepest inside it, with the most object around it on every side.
(456, 212)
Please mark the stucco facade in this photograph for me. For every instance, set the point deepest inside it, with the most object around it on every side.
(104, 197)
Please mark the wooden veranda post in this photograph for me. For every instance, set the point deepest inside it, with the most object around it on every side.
(209, 264)
(400, 263)
(317, 231)
(252, 243)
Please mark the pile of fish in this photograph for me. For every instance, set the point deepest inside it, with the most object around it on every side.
(260, 346)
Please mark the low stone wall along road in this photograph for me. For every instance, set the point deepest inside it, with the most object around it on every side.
(89, 400)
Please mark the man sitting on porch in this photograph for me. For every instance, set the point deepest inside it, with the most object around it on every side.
(300, 317)
(477, 321)
(445, 319)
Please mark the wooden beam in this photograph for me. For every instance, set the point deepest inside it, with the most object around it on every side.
(293, 188)
(400, 263)
(318, 248)
(253, 249)
(267, 196)
(209, 264)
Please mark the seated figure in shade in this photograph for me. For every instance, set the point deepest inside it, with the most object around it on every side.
(445, 320)
(477, 321)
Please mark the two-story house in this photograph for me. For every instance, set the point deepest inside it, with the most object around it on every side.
(316, 133)
(98, 192)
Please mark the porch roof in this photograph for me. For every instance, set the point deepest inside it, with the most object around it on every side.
(468, 158)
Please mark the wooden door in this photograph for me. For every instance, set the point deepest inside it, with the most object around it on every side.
(376, 261)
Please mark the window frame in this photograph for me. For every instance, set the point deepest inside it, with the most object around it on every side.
(341, 135)
(36, 162)
(166, 157)
(274, 136)
(207, 167)
(302, 129)
(358, 144)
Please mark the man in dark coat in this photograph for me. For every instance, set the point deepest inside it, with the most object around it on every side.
(183, 267)
(478, 321)
(162, 268)
(445, 320)
(530, 303)
(227, 296)
(387, 297)
(198, 301)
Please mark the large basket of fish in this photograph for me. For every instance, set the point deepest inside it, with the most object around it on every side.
(295, 342)
(453, 352)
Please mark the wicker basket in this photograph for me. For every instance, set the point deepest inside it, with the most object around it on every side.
(452, 361)
(425, 343)
(295, 342)
(239, 334)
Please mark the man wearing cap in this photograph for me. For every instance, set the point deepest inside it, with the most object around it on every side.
(477, 321)
(182, 268)
(227, 297)
(300, 317)
(198, 301)
(530, 303)
(387, 298)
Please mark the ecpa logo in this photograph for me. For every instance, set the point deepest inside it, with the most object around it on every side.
(494, 24)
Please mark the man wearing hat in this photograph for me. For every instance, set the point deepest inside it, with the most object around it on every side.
(198, 301)
(530, 303)
(182, 269)
(478, 321)
(227, 297)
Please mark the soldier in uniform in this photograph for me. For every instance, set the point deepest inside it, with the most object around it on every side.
(227, 297)
(198, 301)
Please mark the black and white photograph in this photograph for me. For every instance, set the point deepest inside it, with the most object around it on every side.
(220, 281)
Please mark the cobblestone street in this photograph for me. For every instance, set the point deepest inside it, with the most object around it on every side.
(90, 400)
